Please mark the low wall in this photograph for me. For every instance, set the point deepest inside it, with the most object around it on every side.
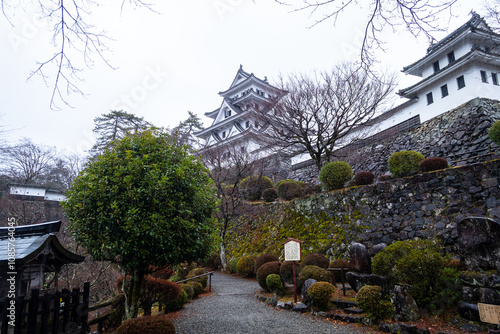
(423, 206)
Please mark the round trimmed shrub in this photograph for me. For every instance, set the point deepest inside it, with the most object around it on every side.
(189, 290)
(321, 294)
(197, 288)
(274, 284)
(147, 325)
(253, 186)
(265, 270)
(340, 264)
(197, 272)
(334, 175)
(264, 258)
(369, 298)
(178, 303)
(245, 266)
(432, 164)
(494, 133)
(269, 195)
(418, 263)
(286, 271)
(404, 163)
(233, 265)
(314, 272)
(289, 189)
(363, 178)
(315, 259)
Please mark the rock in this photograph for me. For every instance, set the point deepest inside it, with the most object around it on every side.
(489, 296)
(300, 308)
(306, 299)
(273, 301)
(357, 281)
(469, 294)
(408, 329)
(353, 310)
(471, 328)
(288, 306)
(469, 311)
(405, 307)
(386, 328)
(377, 248)
(423, 331)
(359, 258)
(280, 304)
(477, 240)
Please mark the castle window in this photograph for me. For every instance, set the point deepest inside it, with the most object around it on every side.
(494, 78)
(227, 113)
(451, 57)
(461, 82)
(223, 134)
(430, 99)
(247, 124)
(436, 67)
(484, 77)
(444, 90)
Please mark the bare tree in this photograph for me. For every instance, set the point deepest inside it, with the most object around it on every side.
(493, 13)
(27, 162)
(227, 167)
(116, 125)
(415, 16)
(320, 111)
(72, 32)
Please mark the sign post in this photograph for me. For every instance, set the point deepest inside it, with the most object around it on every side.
(293, 253)
(489, 313)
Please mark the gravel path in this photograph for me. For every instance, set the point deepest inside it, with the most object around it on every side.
(233, 309)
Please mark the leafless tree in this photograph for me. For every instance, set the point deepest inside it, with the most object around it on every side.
(227, 167)
(72, 33)
(27, 162)
(415, 16)
(320, 111)
(493, 13)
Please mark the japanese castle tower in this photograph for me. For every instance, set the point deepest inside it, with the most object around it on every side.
(233, 124)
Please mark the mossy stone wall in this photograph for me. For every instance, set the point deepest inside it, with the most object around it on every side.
(423, 206)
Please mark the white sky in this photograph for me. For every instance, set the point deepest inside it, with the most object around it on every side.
(177, 60)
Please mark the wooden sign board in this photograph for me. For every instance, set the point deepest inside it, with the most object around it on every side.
(292, 250)
(489, 313)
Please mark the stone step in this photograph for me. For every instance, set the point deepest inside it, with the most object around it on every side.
(343, 304)
(353, 310)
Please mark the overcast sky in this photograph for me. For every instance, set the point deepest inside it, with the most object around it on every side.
(176, 60)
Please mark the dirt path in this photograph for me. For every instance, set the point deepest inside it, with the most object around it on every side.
(233, 309)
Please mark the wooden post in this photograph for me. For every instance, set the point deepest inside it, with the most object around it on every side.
(293, 253)
(210, 282)
(55, 320)
(84, 316)
(45, 314)
(33, 311)
(294, 281)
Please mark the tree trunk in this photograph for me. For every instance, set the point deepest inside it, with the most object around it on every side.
(132, 291)
(223, 260)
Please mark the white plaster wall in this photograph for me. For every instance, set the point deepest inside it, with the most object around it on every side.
(26, 190)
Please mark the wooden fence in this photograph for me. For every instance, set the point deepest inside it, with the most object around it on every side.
(49, 313)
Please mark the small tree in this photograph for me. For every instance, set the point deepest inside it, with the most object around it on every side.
(143, 202)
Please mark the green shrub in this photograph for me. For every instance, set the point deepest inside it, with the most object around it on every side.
(334, 175)
(340, 264)
(147, 325)
(233, 265)
(432, 164)
(197, 288)
(245, 266)
(369, 298)
(321, 294)
(188, 288)
(286, 271)
(177, 304)
(253, 186)
(494, 133)
(315, 259)
(265, 270)
(418, 263)
(363, 178)
(264, 258)
(290, 189)
(404, 163)
(314, 272)
(275, 285)
(269, 195)
(197, 272)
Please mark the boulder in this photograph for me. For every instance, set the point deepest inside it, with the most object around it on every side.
(489, 296)
(306, 299)
(359, 259)
(357, 281)
(469, 311)
(377, 249)
(469, 294)
(477, 242)
(300, 308)
(405, 307)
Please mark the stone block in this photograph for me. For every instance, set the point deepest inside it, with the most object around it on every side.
(359, 259)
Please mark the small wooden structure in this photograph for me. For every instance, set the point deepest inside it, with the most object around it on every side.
(28, 253)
